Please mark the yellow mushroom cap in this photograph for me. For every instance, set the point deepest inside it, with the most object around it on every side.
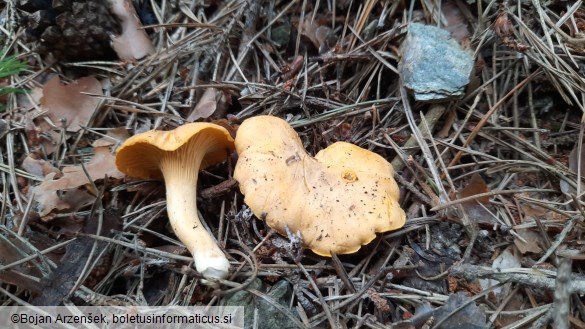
(177, 156)
(338, 200)
(140, 155)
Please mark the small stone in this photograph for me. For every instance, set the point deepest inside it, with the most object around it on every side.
(268, 315)
(281, 34)
(434, 66)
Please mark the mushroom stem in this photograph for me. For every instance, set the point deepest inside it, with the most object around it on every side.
(181, 187)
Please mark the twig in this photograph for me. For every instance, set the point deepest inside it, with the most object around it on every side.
(432, 117)
(563, 293)
(443, 196)
(535, 278)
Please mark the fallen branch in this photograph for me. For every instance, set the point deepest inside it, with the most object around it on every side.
(535, 278)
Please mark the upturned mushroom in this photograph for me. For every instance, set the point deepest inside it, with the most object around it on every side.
(177, 156)
(338, 200)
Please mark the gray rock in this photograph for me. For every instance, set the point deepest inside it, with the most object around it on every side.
(281, 34)
(269, 316)
(433, 66)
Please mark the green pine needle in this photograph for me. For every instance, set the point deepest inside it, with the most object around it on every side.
(9, 65)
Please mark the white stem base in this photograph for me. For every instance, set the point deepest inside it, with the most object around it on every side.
(181, 186)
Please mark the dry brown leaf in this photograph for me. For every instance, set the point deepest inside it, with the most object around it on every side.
(532, 239)
(531, 211)
(515, 303)
(574, 158)
(9, 252)
(38, 131)
(508, 259)
(206, 105)
(30, 99)
(72, 200)
(133, 43)
(48, 201)
(38, 167)
(102, 164)
(12, 250)
(309, 29)
(531, 243)
(47, 135)
(476, 185)
(69, 104)
(477, 209)
(456, 22)
(320, 36)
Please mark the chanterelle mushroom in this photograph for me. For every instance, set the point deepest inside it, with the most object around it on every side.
(338, 200)
(177, 156)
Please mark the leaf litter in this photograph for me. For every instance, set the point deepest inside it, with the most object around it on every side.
(331, 70)
(100, 166)
(72, 105)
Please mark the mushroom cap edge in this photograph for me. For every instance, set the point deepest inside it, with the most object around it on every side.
(138, 156)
